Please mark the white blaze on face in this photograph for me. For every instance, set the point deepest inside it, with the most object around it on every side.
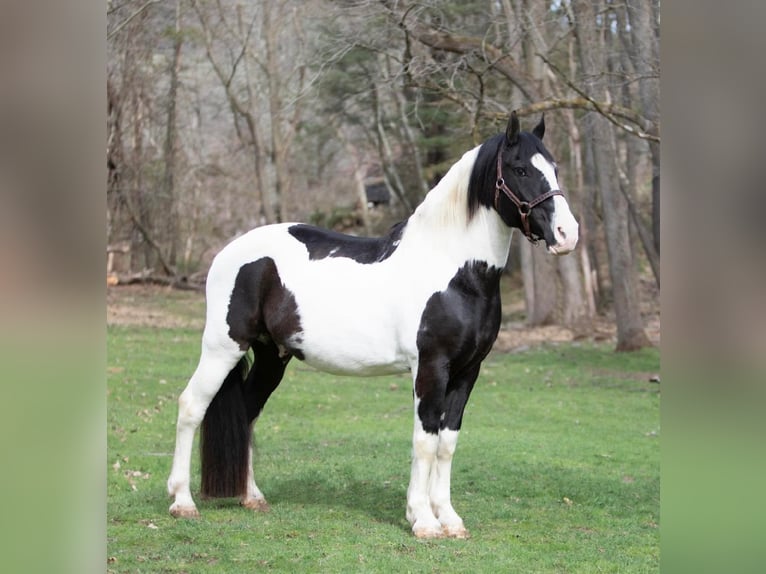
(563, 223)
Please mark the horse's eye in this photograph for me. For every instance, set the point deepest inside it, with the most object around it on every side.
(520, 171)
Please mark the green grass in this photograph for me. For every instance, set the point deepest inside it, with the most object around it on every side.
(557, 469)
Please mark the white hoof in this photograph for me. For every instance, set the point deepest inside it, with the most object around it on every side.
(427, 529)
(179, 511)
(455, 531)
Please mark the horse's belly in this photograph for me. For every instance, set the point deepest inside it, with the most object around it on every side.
(351, 365)
(344, 347)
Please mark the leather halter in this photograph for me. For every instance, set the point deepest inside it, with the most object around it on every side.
(524, 207)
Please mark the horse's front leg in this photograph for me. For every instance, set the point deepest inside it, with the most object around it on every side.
(420, 514)
(439, 490)
(429, 508)
(430, 385)
(450, 421)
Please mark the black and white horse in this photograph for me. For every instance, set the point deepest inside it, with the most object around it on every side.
(424, 299)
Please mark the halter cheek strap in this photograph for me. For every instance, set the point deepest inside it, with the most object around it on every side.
(524, 207)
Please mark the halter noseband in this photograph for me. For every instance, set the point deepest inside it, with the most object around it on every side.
(524, 207)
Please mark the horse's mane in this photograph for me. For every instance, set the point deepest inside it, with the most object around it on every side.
(481, 182)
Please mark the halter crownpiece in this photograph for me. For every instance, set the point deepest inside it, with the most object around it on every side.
(524, 207)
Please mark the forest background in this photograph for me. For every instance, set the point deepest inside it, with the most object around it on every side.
(223, 116)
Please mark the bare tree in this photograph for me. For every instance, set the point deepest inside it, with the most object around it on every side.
(170, 151)
(133, 190)
(630, 330)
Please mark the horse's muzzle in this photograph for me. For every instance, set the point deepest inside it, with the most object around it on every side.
(566, 238)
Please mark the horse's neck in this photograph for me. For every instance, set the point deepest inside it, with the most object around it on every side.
(440, 224)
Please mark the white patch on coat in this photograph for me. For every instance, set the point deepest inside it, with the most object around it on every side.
(563, 224)
(424, 449)
(440, 487)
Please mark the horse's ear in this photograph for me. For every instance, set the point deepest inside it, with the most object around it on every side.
(512, 129)
(539, 130)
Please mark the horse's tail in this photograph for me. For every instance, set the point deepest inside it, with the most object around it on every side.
(225, 437)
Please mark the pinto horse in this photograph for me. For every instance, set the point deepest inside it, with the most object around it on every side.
(424, 298)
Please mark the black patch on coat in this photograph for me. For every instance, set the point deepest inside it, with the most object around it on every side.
(322, 243)
(262, 309)
(457, 330)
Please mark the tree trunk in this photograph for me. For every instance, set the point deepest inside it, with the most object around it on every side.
(644, 30)
(273, 194)
(248, 111)
(538, 271)
(555, 284)
(540, 284)
(170, 208)
(587, 305)
(630, 329)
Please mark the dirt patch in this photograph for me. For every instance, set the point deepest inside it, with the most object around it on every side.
(155, 306)
(516, 336)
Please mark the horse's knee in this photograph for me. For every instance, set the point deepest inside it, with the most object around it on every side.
(425, 444)
(447, 443)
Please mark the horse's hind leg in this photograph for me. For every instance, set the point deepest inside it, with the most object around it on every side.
(264, 377)
(216, 362)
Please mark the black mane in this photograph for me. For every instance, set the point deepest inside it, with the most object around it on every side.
(481, 184)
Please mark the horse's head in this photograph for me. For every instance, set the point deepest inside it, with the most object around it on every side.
(527, 194)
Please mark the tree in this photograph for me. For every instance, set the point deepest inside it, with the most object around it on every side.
(630, 330)
(133, 185)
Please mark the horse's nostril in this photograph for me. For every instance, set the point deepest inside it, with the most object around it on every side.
(562, 233)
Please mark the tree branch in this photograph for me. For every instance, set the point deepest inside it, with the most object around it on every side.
(447, 42)
(127, 20)
(606, 110)
(574, 104)
(146, 235)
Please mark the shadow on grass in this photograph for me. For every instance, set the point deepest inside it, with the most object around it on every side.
(382, 503)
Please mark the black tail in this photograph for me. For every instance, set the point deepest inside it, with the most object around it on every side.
(225, 437)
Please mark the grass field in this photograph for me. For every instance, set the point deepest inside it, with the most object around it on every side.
(557, 469)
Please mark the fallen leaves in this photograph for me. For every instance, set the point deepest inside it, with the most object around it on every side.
(130, 475)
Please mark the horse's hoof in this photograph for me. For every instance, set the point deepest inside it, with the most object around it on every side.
(184, 511)
(256, 504)
(427, 532)
(456, 532)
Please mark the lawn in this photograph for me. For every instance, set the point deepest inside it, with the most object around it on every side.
(557, 469)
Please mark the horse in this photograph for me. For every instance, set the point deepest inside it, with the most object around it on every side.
(424, 299)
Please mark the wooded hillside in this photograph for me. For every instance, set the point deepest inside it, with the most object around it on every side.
(228, 115)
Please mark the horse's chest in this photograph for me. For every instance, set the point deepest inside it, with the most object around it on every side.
(460, 323)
